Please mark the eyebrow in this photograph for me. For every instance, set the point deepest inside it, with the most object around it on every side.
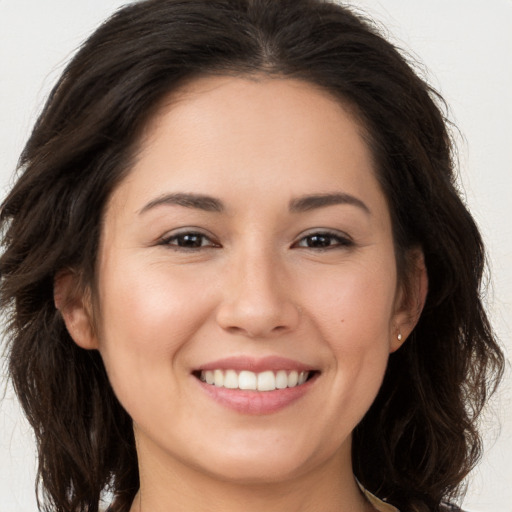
(198, 201)
(311, 202)
(212, 204)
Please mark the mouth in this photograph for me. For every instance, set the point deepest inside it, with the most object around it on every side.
(247, 380)
(256, 386)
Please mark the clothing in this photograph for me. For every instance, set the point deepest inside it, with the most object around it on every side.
(380, 505)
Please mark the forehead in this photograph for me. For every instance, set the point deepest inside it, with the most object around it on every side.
(253, 103)
(256, 135)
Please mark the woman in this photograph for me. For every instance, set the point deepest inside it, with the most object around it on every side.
(238, 271)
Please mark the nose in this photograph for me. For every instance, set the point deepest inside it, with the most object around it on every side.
(258, 299)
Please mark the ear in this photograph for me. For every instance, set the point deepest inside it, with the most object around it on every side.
(410, 299)
(76, 308)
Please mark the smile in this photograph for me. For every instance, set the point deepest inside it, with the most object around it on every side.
(256, 386)
(252, 381)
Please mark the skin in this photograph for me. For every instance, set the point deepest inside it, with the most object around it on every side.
(257, 286)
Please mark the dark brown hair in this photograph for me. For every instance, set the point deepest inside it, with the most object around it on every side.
(419, 439)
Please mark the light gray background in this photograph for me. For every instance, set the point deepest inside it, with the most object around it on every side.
(466, 49)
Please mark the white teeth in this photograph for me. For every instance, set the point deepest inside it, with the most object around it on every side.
(264, 381)
(247, 380)
(218, 378)
(293, 379)
(281, 379)
(231, 379)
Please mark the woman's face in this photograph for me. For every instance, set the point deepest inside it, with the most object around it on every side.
(249, 247)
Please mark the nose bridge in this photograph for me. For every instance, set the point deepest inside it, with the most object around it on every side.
(257, 297)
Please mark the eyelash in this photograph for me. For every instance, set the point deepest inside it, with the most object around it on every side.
(178, 239)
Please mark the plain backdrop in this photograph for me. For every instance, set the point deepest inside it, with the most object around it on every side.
(464, 47)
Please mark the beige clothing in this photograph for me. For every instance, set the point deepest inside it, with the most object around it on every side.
(380, 505)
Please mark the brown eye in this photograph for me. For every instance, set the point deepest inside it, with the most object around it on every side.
(188, 240)
(324, 240)
(319, 241)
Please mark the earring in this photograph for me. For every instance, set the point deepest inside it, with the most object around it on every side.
(399, 336)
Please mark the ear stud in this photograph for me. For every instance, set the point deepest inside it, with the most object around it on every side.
(399, 336)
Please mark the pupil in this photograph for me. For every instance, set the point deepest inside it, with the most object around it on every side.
(190, 241)
(319, 241)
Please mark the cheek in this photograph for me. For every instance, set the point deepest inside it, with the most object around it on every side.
(354, 305)
(353, 310)
(148, 314)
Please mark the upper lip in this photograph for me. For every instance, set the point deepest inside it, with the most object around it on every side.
(256, 365)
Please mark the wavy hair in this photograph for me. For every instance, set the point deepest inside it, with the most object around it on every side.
(419, 439)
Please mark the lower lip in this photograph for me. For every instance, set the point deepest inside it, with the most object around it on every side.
(257, 402)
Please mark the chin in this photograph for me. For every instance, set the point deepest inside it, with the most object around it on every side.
(263, 463)
(257, 471)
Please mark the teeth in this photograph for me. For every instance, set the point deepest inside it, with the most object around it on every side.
(293, 379)
(218, 378)
(264, 381)
(247, 380)
(281, 379)
(231, 379)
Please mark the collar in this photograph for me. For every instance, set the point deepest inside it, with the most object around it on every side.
(380, 505)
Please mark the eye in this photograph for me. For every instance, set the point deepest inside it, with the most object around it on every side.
(324, 240)
(188, 240)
